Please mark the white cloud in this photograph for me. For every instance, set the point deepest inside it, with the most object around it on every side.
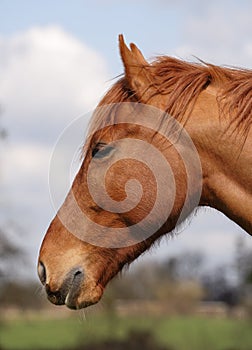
(48, 77)
(24, 162)
(218, 31)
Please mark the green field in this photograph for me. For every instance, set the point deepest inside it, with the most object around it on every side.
(176, 333)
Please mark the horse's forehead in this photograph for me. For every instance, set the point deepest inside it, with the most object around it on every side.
(117, 131)
(107, 117)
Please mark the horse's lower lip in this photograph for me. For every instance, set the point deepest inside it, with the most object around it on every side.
(54, 299)
(76, 300)
(70, 299)
(74, 305)
(69, 291)
(71, 302)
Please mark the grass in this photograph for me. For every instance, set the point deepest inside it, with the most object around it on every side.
(208, 334)
(178, 333)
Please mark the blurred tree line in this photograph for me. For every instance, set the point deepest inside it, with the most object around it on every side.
(3, 132)
(181, 281)
(12, 291)
(185, 279)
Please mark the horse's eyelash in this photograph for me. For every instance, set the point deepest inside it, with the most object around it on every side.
(99, 147)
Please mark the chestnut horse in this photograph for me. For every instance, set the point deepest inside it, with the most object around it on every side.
(169, 128)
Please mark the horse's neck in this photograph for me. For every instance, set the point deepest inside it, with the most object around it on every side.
(226, 164)
(229, 190)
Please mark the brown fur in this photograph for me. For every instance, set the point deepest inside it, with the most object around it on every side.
(182, 82)
(208, 101)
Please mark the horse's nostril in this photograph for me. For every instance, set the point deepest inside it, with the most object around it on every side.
(78, 272)
(42, 272)
(69, 289)
(77, 278)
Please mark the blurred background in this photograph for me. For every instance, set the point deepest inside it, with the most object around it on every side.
(57, 59)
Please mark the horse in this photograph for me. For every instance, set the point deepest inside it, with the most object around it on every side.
(169, 128)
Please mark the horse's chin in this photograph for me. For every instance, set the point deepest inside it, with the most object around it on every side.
(84, 299)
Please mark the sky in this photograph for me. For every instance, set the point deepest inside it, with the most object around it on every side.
(57, 59)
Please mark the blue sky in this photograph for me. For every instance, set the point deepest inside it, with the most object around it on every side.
(158, 27)
(56, 58)
(98, 23)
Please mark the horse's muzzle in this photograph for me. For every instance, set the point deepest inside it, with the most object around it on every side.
(68, 292)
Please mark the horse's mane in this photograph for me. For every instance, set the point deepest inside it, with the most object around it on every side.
(184, 81)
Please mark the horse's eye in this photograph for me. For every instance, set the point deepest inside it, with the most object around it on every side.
(101, 150)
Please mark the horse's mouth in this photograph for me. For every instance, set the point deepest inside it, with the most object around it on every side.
(69, 291)
(75, 295)
(77, 290)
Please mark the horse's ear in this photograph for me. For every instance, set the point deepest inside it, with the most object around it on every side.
(136, 67)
